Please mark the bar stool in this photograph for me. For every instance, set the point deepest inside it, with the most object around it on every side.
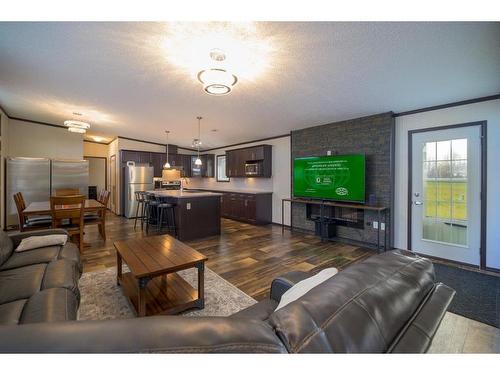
(139, 198)
(166, 211)
(151, 209)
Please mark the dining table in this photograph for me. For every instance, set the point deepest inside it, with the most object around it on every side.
(43, 208)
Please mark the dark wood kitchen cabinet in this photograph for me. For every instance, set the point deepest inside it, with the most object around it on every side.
(250, 208)
(260, 155)
(207, 168)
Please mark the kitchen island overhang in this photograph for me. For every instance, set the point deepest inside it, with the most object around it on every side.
(197, 214)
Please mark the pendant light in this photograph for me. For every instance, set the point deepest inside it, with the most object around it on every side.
(167, 164)
(198, 162)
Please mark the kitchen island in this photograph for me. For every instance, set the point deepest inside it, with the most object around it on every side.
(197, 213)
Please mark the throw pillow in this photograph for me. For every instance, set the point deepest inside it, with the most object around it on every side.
(35, 242)
(304, 286)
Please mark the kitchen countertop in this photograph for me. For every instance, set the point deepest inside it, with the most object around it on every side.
(240, 191)
(183, 194)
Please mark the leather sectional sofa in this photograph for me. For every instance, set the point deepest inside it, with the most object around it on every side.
(39, 285)
(388, 303)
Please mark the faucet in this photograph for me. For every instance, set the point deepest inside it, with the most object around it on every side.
(184, 180)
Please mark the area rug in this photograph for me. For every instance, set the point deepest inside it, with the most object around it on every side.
(478, 295)
(102, 299)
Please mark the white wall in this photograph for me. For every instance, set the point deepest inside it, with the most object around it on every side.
(489, 111)
(279, 183)
(95, 149)
(97, 173)
(39, 141)
(114, 150)
(4, 122)
(126, 144)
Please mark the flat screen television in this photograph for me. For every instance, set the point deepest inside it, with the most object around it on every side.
(336, 177)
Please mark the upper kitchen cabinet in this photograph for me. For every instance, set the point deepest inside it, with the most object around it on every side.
(207, 168)
(249, 162)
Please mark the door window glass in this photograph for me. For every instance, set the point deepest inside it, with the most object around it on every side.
(445, 191)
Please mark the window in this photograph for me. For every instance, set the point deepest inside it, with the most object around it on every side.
(445, 191)
(221, 169)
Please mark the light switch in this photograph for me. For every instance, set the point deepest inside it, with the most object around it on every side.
(329, 153)
(188, 206)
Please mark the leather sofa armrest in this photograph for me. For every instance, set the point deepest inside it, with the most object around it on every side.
(158, 334)
(419, 333)
(281, 284)
(18, 237)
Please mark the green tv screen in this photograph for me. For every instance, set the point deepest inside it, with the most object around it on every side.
(336, 177)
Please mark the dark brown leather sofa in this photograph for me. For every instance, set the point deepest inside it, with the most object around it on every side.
(39, 285)
(388, 303)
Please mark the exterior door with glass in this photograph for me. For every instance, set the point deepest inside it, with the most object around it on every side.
(446, 193)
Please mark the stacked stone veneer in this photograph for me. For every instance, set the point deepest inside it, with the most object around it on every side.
(372, 136)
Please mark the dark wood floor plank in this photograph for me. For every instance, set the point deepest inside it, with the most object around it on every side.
(248, 256)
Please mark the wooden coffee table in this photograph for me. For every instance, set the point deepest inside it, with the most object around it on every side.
(152, 285)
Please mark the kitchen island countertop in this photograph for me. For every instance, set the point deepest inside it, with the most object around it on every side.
(186, 194)
(230, 190)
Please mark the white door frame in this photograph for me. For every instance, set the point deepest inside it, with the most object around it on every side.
(483, 126)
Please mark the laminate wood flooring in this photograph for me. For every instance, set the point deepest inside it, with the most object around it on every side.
(248, 256)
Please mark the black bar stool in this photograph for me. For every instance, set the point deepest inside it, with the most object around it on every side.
(140, 200)
(166, 210)
(151, 208)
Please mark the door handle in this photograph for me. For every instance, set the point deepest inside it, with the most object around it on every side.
(418, 203)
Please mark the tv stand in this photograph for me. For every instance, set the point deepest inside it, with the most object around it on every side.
(335, 216)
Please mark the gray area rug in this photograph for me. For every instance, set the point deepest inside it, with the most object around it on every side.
(102, 299)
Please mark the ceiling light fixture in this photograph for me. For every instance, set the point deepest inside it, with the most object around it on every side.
(167, 164)
(198, 162)
(75, 126)
(217, 81)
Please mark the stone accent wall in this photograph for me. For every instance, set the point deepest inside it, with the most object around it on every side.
(371, 135)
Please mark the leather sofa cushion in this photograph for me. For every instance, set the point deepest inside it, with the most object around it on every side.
(29, 257)
(62, 274)
(10, 313)
(70, 252)
(50, 305)
(361, 309)
(154, 334)
(20, 283)
(6, 247)
(259, 311)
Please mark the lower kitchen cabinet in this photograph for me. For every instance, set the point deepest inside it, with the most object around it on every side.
(251, 208)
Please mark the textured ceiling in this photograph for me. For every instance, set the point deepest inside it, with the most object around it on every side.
(119, 76)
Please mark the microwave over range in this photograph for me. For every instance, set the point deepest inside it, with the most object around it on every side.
(253, 169)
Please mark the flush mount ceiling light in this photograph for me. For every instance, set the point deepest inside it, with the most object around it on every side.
(218, 52)
(217, 81)
(75, 126)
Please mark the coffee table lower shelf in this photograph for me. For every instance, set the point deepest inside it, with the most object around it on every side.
(164, 295)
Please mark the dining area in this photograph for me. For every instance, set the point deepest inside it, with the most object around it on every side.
(67, 209)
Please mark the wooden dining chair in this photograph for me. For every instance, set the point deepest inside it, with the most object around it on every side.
(66, 192)
(99, 217)
(32, 222)
(67, 213)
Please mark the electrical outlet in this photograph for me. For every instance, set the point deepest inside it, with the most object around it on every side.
(188, 206)
(375, 225)
(329, 153)
(382, 226)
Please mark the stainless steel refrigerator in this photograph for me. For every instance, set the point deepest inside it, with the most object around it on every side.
(37, 179)
(136, 178)
(73, 174)
(31, 177)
